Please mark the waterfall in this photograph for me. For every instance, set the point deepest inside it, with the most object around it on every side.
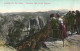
(37, 19)
(29, 25)
(41, 21)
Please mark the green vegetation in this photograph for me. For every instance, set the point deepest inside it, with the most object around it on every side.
(15, 32)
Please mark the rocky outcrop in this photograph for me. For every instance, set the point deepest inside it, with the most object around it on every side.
(72, 43)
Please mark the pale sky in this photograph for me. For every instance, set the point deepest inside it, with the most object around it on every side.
(30, 6)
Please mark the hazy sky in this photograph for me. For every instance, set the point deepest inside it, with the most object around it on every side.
(30, 6)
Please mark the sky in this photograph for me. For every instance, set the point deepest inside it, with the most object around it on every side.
(37, 5)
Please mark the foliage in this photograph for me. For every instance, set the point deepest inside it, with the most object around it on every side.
(15, 32)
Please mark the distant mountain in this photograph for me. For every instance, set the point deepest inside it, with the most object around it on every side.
(38, 13)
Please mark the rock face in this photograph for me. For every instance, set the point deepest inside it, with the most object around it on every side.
(4, 26)
(9, 23)
(37, 21)
(35, 24)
